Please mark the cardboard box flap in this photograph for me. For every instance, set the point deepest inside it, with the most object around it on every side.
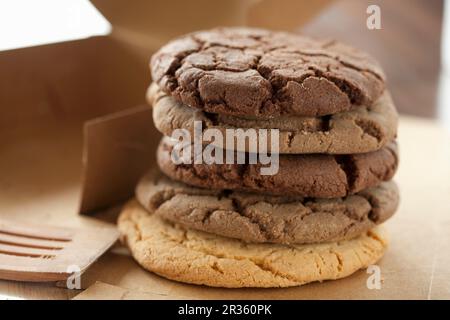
(168, 18)
(118, 149)
(284, 14)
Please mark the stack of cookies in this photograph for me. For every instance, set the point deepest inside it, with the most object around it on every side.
(230, 225)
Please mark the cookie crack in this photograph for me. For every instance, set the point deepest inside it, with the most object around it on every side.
(373, 214)
(339, 259)
(216, 267)
(290, 139)
(259, 263)
(355, 96)
(242, 211)
(370, 128)
(337, 58)
(346, 230)
(348, 166)
(274, 272)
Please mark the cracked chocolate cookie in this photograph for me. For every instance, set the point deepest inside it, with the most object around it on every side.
(244, 71)
(365, 129)
(261, 218)
(314, 175)
(200, 258)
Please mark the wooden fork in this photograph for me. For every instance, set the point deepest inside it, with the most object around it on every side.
(42, 254)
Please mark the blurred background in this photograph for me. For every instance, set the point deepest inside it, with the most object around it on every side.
(409, 45)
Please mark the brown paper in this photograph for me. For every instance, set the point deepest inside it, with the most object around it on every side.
(104, 291)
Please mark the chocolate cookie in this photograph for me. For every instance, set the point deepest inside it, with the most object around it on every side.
(361, 130)
(243, 71)
(314, 175)
(261, 218)
(205, 259)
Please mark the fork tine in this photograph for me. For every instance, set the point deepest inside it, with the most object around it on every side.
(25, 252)
(30, 243)
(35, 232)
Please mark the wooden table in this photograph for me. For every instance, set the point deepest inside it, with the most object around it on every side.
(416, 265)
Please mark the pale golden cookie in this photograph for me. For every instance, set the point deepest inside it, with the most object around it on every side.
(201, 258)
